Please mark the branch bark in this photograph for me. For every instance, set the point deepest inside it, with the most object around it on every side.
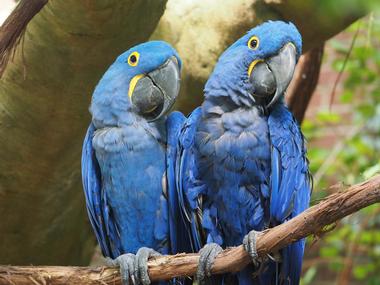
(304, 82)
(14, 27)
(312, 221)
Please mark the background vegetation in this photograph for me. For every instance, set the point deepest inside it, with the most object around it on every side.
(350, 252)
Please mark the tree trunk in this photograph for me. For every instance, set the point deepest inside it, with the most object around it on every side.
(45, 92)
(202, 30)
(304, 82)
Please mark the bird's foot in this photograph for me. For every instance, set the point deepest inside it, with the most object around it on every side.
(141, 265)
(207, 257)
(126, 262)
(249, 243)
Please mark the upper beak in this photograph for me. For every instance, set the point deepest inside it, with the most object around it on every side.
(155, 93)
(271, 77)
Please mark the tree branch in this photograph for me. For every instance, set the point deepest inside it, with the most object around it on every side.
(14, 27)
(312, 221)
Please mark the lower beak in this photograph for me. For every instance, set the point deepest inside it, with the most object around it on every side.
(155, 93)
(270, 78)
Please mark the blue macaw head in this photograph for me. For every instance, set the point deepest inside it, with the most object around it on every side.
(259, 66)
(143, 82)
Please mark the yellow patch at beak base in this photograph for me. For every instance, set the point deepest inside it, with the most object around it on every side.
(133, 83)
(252, 66)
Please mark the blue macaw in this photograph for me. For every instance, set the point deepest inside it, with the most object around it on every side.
(125, 169)
(242, 156)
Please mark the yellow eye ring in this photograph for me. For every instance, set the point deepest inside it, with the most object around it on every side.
(253, 43)
(133, 58)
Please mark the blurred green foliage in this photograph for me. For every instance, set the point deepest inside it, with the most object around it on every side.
(352, 250)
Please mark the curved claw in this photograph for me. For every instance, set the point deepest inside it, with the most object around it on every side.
(249, 243)
(207, 257)
(126, 262)
(141, 265)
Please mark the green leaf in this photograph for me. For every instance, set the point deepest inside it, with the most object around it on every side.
(371, 171)
(360, 272)
(328, 117)
(347, 96)
(329, 252)
(367, 110)
(309, 276)
(366, 237)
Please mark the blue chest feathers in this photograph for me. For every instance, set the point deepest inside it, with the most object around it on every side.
(132, 163)
(233, 156)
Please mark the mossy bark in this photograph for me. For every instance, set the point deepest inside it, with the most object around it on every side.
(45, 92)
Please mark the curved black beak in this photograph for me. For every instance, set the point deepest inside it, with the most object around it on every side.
(270, 78)
(155, 93)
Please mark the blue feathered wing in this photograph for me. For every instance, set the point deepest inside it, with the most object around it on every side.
(96, 202)
(189, 190)
(291, 184)
(179, 235)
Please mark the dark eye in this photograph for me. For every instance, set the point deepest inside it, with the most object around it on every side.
(253, 43)
(133, 58)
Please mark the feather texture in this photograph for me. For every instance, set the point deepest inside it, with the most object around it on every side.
(127, 176)
(244, 165)
(291, 183)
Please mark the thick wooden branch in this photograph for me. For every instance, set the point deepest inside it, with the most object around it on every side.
(14, 27)
(312, 221)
